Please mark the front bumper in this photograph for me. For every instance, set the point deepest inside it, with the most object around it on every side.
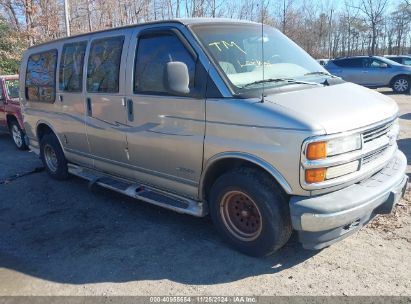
(324, 219)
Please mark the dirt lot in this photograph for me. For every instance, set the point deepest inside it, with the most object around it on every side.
(59, 238)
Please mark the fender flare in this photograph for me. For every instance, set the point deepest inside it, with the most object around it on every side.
(247, 157)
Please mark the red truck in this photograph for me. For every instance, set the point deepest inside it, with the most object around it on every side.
(11, 119)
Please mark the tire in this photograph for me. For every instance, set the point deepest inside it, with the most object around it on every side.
(401, 84)
(53, 157)
(261, 204)
(18, 136)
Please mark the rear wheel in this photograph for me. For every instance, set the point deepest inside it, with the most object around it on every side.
(401, 84)
(17, 135)
(53, 157)
(250, 211)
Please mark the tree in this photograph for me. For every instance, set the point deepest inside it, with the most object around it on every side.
(374, 14)
(11, 47)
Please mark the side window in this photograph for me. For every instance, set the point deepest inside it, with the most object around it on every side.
(1, 91)
(355, 63)
(406, 61)
(153, 52)
(103, 67)
(372, 63)
(40, 84)
(71, 67)
(396, 59)
(342, 62)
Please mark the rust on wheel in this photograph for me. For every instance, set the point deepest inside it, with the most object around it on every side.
(241, 216)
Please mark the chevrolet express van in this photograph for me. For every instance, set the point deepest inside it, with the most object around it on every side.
(214, 116)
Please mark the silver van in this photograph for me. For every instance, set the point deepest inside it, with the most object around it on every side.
(219, 117)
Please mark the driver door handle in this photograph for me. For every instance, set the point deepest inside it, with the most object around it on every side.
(89, 108)
(130, 110)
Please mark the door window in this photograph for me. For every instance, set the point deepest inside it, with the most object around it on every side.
(373, 63)
(40, 84)
(103, 68)
(153, 52)
(71, 67)
(349, 63)
(406, 61)
(12, 88)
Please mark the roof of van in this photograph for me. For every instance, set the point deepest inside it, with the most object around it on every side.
(184, 21)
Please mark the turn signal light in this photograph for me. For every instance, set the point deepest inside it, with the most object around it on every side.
(316, 175)
(317, 150)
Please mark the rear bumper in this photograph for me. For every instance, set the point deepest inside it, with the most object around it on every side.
(324, 219)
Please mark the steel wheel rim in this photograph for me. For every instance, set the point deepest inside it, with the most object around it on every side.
(241, 216)
(16, 136)
(401, 85)
(51, 158)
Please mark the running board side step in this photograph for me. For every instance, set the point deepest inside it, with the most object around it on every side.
(139, 191)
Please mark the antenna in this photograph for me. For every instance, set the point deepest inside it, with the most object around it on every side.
(262, 46)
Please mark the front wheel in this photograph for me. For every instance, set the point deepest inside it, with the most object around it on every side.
(17, 135)
(250, 211)
(401, 84)
(53, 157)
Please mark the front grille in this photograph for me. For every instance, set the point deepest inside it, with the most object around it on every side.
(377, 132)
(374, 137)
(374, 155)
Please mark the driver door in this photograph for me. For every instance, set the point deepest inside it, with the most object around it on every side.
(166, 132)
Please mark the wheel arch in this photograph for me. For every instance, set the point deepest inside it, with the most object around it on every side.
(223, 162)
(399, 75)
(43, 128)
(10, 118)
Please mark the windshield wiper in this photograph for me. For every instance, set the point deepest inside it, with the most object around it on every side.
(288, 80)
(319, 73)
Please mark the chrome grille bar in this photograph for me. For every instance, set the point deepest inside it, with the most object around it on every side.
(376, 133)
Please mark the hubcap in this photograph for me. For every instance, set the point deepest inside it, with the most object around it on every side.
(241, 216)
(50, 158)
(18, 140)
(401, 85)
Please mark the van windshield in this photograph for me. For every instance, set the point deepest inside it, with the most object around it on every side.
(12, 87)
(237, 49)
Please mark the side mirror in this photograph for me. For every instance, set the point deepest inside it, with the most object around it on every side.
(383, 65)
(176, 78)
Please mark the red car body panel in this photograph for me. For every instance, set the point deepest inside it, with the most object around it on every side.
(9, 107)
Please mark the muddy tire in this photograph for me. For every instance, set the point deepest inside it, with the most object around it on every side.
(401, 84)
(53, 157)
(18, 136)
(250, 211)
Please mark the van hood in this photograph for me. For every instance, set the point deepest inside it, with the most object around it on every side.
(338, 108)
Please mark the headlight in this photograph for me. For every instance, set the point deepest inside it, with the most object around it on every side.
(322, 149)
(343, 145)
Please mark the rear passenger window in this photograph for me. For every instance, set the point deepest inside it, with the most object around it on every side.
(349, 63)
(104, 65)
(40, 84)
(153, 52)
(71, 67)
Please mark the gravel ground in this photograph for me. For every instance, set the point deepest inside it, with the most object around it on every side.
(59, 238)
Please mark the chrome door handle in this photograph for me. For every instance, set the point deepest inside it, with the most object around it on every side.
(89, 108)
(130, 110)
